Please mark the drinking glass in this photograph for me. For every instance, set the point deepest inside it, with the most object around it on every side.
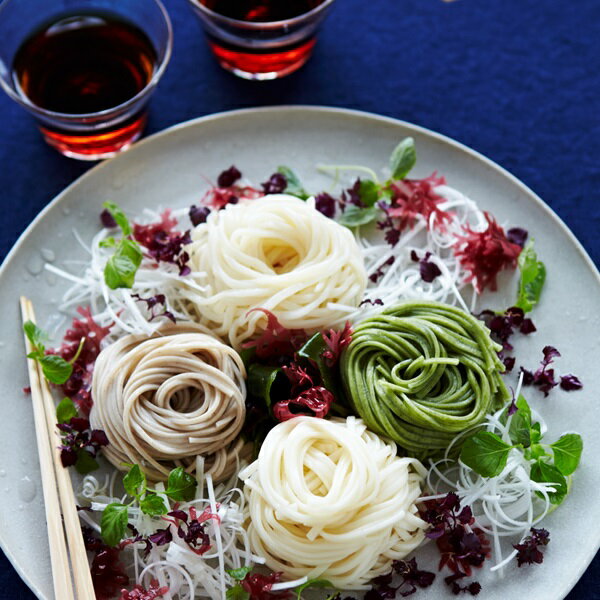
(86, 135)
(261, 50)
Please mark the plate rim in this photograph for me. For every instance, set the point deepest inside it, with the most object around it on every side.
(158, 136)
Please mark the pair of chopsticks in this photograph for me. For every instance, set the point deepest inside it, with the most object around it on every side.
(57, 487)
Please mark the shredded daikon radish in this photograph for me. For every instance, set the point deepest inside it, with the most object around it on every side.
(507, 505)
(188, 575)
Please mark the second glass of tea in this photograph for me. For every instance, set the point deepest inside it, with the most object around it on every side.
(85, 69)
(261, 39)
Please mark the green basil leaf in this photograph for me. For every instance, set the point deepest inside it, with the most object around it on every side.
(119, 216)
(294, 187)
(567, 452)
(536, 433)
(153, 505)
(237, 592)
(109, 242)
(537, 451)
(55, 368)
(122, 266)
(533, 276)
(240, 573)
(181, 486)
(354, 216)
(544, 473)
(247, 355)
(66, 410)
(35, 335)
(312, 583)
(135, 482)
(113, 523)
(369, 192)
(403, 158)
(485, 453)
(261, 379)
(85, 462)
(520, 425)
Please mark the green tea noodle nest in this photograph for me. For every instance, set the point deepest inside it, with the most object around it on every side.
(330, 499)
(166, 400)
(421, 373)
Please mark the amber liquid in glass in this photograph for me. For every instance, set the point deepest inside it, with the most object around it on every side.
(282, 60)
(82, 64)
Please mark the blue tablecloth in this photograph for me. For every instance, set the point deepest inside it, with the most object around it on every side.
(517, 80)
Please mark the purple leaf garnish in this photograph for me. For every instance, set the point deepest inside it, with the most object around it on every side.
(550, 353)
(427, 269)
(570, 383)
(374, 277)
(376, 302)
(161, 537)
(107, 219)
(325, 204)
(179, 514)
(528, 550)
(461, 545)
(509, 363)
(527, 327)
(410, 576)
(198, 214)
(152, 303)
(276, 184)
(518, 236)
(228, 177)
(163, 243)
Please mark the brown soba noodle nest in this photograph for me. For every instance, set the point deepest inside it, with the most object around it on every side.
(166, 400)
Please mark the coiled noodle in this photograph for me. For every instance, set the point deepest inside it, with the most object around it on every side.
(277, 253)
(421, 372)
(165, 400)
(330, 499)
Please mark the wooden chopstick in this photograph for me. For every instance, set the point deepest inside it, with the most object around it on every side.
(53, 475)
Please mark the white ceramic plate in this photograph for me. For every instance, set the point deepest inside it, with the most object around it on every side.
(168, 169)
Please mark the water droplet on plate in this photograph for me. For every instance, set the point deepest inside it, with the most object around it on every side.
(24, 460)
(26, 489)
(50, 278)
(2, 473)
(66, 211)
(48, 255)
(7, 490)
(21, 507)
(35, 264)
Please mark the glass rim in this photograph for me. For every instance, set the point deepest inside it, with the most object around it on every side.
(26, 103)
(253, 25)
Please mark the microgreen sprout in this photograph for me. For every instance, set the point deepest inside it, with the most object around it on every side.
(181, 486)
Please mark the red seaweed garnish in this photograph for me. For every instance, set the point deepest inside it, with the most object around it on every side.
(141, 593)
(108, 573)
(313, 402)
(414, 198)
(485, 253)
(78, 386)
(276, 340)
(259, 586)
(336, 341)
